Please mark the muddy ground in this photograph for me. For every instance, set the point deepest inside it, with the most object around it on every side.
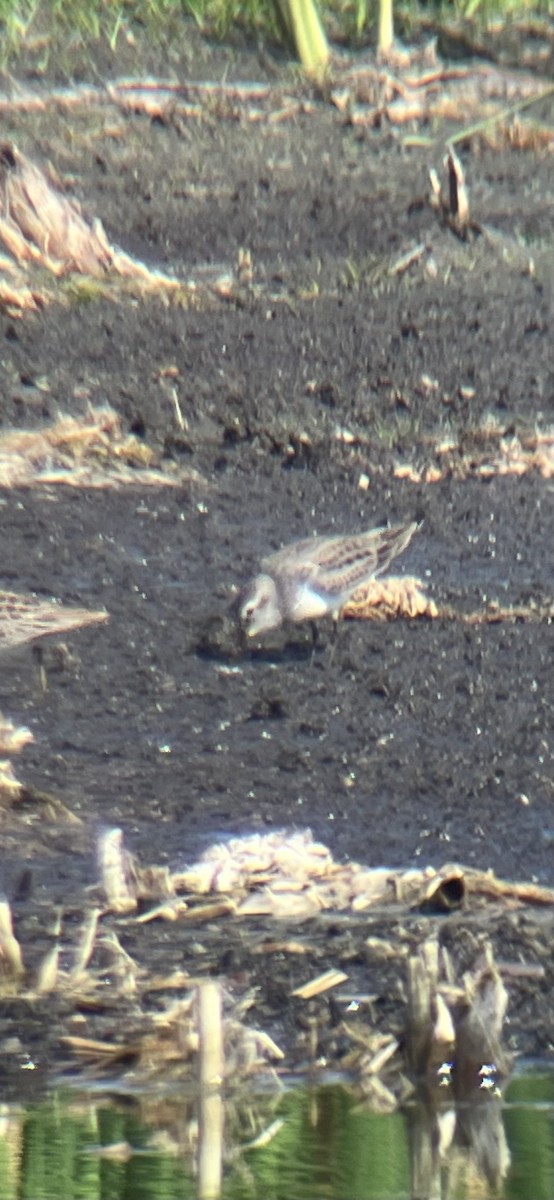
(419, 741)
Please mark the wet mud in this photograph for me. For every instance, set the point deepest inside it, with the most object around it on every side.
(420, 741)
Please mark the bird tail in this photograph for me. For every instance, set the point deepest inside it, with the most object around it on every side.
(392, 542)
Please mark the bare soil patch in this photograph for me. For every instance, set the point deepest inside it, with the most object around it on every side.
(324, 393)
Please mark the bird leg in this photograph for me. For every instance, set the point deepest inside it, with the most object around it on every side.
(333, 640)
(315, 639)
(38, 655)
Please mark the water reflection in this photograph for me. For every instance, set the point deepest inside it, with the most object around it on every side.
(298, 1144)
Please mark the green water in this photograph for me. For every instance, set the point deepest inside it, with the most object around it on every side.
(299, 1144)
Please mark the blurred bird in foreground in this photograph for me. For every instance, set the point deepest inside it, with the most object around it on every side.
(24, 618)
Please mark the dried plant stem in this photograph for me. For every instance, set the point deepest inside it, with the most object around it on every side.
(210, 1071)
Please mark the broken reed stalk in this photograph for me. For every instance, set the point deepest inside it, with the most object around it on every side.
(210, 1145)
(117, 872)
(479, 1024)
(210, 1075)
(425, 1161)
(210, 1034)
(48, 971)
(87, 940)
(423, 974)
(10, 951)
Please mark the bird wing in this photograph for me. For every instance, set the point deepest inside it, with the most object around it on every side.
(301, 559)
(338, 565)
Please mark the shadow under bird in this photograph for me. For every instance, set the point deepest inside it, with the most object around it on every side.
(316, 576)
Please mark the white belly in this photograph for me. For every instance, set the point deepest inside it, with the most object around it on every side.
(308, 605)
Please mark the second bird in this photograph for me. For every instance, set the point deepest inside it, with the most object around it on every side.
(318, 575)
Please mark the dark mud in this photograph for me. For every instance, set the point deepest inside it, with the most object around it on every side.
(420, 741)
